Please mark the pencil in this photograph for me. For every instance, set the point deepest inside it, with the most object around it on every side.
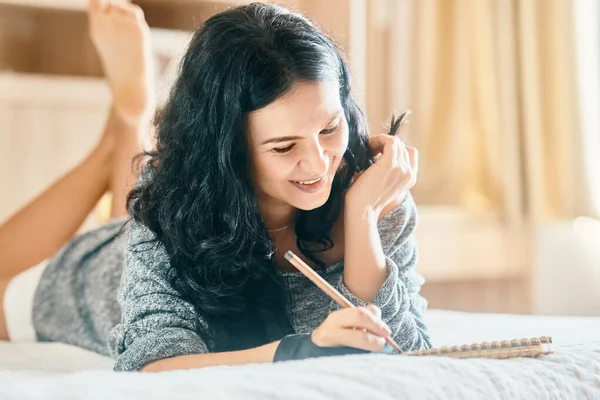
(326, 287)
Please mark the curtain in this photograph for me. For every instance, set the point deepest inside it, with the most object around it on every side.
(587, 45)
(495, 98)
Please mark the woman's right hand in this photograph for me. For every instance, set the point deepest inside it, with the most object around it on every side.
(357, 327)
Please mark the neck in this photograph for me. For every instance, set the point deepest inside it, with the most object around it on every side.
(277, 216)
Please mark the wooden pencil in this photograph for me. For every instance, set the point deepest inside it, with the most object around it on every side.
(326, 287)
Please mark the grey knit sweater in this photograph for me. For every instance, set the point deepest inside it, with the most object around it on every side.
(76, 301)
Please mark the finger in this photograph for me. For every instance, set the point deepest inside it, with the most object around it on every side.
(360, 318)
(359, 339)
(380, 143)
(375, 310)
(405, 158)
(413, 156)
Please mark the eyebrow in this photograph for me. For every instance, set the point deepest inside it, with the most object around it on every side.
(281, 139)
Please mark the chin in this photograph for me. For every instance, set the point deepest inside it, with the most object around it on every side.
(311, 201)
(311, 197)
(308, 206)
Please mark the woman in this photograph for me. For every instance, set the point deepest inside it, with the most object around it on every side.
(260, 149)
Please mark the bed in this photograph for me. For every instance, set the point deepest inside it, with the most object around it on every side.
(57, 371)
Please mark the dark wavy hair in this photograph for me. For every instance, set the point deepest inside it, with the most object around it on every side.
(196, 194)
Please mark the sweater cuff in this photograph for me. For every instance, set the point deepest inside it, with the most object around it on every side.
(166, 343)
(385, 296)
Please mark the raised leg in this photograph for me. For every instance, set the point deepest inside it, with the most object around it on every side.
(121, 37)
(35, 233)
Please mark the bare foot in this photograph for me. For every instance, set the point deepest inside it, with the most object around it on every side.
(122, 39)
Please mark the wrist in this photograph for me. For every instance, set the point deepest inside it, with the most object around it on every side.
(300, 346)
(360, 212)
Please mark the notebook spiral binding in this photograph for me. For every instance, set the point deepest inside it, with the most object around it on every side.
(527, 347)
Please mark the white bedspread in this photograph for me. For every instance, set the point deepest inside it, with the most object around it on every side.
(55, 371)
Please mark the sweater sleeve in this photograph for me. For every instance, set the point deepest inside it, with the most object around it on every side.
(401, 305)
(156, 323)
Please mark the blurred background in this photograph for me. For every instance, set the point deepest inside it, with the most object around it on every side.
(505, 96)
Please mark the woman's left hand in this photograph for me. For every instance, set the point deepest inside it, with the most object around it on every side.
(386, 183)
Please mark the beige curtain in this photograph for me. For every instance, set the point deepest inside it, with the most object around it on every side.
(492, 87)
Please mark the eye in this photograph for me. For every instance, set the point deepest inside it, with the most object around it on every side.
(283, 150)
(330, 130)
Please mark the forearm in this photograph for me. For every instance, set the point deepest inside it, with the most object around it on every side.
(364, 260)
(262, 354)
(396, 292)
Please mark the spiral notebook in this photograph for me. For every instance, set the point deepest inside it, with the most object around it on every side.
(532, 347)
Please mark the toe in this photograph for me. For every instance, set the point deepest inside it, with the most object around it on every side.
(121, 9)
(137, 10)
(128, 10)
(99, 6)
(94, 6)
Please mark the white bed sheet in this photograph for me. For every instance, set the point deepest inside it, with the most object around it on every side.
(52, 370)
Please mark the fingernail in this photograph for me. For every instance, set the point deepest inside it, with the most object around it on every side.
(386, 329)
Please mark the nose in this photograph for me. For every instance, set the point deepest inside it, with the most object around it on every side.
(315, 160)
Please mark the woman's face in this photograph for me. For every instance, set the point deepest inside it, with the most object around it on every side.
(297, 144)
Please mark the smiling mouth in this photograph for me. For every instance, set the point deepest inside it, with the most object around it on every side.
(311, 182)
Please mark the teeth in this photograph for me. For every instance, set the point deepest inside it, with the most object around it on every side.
(309, 182)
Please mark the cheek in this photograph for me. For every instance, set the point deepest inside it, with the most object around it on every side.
(270, 171)
(339, 143)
